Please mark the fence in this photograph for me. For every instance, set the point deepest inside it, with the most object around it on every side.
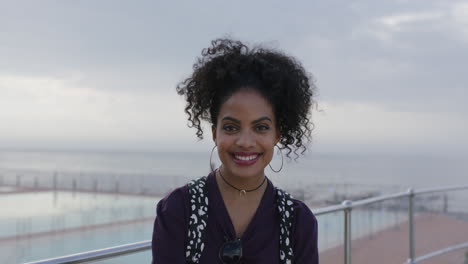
(346, 207)
(125, 183)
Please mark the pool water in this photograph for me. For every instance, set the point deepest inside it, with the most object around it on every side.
(66, 243)
(38, 225)
(38, 212)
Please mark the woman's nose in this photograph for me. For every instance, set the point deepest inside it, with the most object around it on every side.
(246, 139)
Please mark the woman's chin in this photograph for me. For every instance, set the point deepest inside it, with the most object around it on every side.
(245, 171)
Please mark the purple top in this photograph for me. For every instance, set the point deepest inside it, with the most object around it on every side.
(260, 241)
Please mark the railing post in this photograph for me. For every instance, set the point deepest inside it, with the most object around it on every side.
(54, 185)
(347, 231)
(445, 203)
(411, 225)
(18, 180)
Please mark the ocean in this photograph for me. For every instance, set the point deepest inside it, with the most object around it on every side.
(317, 178)
(385, 172)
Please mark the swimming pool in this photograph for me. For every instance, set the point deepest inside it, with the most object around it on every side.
(37, 225)
(39, 212)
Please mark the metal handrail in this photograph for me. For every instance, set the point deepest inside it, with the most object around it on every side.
(329, 209)
(444, 189)
(98, 254)
(380, 199)
(367, 201)
(440, 252)
(346, 207)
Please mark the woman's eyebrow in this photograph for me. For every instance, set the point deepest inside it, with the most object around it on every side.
(253, 122)
(231, 119)
(261, 119)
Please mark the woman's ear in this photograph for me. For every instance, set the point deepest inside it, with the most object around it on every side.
(213, 132)
(277, 141)
(278, 136)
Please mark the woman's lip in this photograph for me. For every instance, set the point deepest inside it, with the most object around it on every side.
(246, 153)
(245, 162)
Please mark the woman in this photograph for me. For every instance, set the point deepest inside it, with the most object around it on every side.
(254, 99)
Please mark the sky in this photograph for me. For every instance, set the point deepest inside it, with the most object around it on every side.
(391, 75)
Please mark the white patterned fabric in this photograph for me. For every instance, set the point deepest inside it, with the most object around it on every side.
(286, 210)
(199, 218)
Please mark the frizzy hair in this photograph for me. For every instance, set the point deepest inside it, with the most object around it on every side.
(228, 66)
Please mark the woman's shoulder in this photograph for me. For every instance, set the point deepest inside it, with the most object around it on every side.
(303, 211)
(304, 234)
(170, 225)
(175, 201)
(179, 198)
(305, 219)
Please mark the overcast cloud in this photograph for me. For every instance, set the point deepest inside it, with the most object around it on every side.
(102, 74)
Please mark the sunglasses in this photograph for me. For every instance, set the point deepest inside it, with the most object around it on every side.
(231, 252)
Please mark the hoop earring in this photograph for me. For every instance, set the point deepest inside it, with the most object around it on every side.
(211, 156)
(281, 161)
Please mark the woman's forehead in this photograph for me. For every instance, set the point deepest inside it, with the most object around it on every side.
(246, 104)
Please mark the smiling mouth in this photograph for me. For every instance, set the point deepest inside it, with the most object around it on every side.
(250, 157)
(246, 158)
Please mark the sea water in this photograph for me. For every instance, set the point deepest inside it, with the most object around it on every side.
(404, 170)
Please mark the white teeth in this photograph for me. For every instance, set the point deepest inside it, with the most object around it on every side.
(251, 157)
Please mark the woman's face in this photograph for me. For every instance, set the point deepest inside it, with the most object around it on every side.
(245, 134)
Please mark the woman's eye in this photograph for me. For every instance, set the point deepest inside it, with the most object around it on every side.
(263, 127)
(229, 128)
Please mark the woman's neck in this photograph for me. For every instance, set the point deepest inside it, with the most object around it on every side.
(229, 182)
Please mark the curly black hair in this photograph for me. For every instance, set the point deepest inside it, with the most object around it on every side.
(229, 65)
